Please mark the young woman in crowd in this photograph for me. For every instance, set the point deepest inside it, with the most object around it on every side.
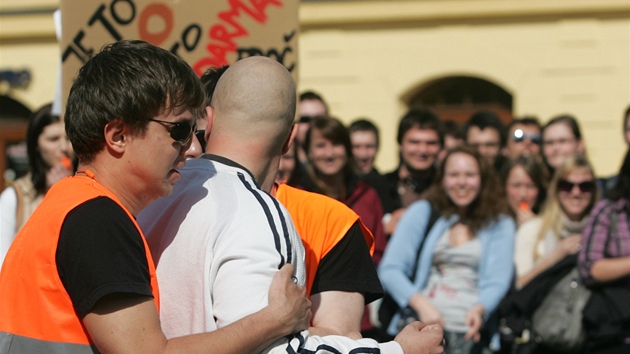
(561, 139)
(604, 261)
(557, 231)
(465, 265)
(525, 181)
(50, 157)
(329, 171)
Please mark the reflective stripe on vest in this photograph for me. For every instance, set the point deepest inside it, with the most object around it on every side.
(14, 344)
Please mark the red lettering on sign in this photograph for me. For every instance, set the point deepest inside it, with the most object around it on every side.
(222, 39)
(162, 11)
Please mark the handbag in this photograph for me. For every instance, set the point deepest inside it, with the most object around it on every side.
(557, 322)
(606, 316)
(517, 309)
(389, 306)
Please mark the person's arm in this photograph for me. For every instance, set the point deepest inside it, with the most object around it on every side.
(570, 245)
(610, 269)
(345, 281)
(593, 264)
(337, 312)
(401, 253)
(497, 266)
(126, 323)
(426, 311)
(8, 216)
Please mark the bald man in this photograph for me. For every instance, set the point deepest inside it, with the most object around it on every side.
(220, 237)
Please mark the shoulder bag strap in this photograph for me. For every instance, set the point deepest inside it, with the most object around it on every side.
(432, 219)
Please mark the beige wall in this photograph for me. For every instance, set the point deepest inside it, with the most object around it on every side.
(554, 56)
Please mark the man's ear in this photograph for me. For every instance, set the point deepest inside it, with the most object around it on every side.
(290, 139)
(114, 134)
(210, 119)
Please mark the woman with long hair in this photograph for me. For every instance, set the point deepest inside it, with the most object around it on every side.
(525, 182)
(561, 139)
(50, 157)
(329, 171)
(557, 231)
(604, 262)
(464, 266)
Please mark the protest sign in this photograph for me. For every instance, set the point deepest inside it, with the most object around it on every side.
(204, 33)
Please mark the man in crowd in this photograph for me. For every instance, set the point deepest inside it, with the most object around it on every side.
(79, 277)
(453, 137)
(523, 138)
(365, 142)
(420, 139)
(310, 105)
(485, 132)
(225, 235)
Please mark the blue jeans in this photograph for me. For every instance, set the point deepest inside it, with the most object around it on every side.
(456, 344)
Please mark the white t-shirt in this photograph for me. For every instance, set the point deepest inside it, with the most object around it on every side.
(217, 242)
(8, 219)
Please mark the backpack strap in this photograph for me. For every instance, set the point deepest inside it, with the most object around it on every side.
(432, 219)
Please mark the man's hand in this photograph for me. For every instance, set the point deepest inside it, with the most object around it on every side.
(288, 301)
(416, 338)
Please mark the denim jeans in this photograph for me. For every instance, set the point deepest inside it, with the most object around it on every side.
(456, 344)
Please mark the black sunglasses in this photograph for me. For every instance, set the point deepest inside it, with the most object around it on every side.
(181, 131)
(519, 135)
(567, 186)
(305, 119)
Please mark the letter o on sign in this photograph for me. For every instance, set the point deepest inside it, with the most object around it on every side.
(162, 11)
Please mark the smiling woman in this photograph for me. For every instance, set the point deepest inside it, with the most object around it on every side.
(464, 265)
(329, 171)
(50, 157)
(557, 231)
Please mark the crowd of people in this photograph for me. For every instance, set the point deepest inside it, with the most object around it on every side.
(201, 216)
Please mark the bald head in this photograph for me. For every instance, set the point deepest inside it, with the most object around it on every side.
(255, 99)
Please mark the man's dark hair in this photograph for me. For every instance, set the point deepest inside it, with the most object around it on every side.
(524, 121)
(364, 125)
(454, 129)
(422, 118)
(131, 81)
(209, 80)
(626, 116)
(484, 120)
(311, 95)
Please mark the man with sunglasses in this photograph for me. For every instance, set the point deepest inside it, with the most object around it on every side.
(79, 277)
(523, 138)
(310, 105)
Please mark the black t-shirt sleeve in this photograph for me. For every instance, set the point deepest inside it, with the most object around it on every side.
(100, 252)
(349, 267)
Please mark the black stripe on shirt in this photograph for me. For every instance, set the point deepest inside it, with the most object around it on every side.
(285, 230)
(272, 224)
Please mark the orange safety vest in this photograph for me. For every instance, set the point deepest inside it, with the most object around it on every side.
(321, 222)
(36, 313)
